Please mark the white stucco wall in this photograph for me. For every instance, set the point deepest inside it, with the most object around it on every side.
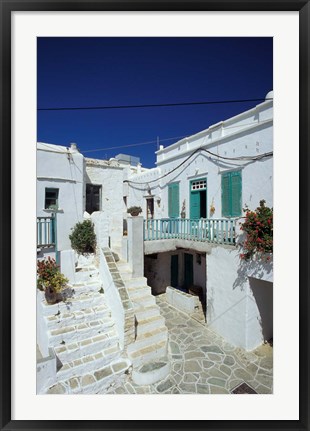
(61, 168)
(239, 308)
(247, 134)
(110, 178)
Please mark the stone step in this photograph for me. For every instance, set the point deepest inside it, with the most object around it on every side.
(86, 274)
(126, 276)
(88, 363)
(142, 301)
(68, 352)
(151, 372)
(94, 382)
(86, 287)
(123, 266)
(79, 332)
(149, 353)
(149, 324)
(87, 315)
(76, 303)
(147, 312)
(139, 292)
(136, 282)
(148, 338)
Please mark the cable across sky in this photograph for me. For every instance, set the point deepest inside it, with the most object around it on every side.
(153, 105)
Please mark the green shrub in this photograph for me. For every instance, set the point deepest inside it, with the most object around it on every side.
(134, 211)
(83, 237)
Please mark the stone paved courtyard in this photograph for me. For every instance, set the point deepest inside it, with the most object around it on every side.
(203, 362)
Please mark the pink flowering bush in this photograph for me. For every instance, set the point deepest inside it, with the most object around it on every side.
(258, 226)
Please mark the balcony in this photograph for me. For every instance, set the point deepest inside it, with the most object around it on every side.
(217, 231)
(46, 232)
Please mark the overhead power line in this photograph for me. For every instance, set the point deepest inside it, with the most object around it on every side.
(153, 105)
(241, 158)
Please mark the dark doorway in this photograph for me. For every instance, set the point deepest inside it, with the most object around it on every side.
(188, 270)
(92, 198)
(149, 208)
(203, 203)
(174, 270)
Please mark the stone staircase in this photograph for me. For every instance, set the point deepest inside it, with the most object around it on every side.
(83, 335)
(149, 352)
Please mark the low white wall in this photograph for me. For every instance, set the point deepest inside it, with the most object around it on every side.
(67, 264)
(236, 308)
(42, 337)
(184, 301)
(46, 372)
(112, 297)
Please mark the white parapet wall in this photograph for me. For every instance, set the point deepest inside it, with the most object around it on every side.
(112, 297)
(46, 372)
(239, 309)
(183, 301)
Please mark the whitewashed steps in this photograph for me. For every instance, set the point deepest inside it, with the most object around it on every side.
(148, 353)
(142, 301)
(92, 382)
(81, 331)
(148, 338)
(151, 372)
(76, 350)
(80, 366)
(147, 312)
(59, 320)
(80, 302)
(150, 323)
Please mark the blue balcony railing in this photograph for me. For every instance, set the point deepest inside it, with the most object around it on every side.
(46, 231)
(219, 231)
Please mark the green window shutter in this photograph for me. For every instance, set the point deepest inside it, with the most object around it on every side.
(236, 184)
(173, 200)
(226, 195)
(195, 205)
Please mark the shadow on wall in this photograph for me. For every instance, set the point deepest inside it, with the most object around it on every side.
(254, 268)
(263, 296)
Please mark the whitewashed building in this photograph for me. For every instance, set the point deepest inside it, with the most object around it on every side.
(192, 204)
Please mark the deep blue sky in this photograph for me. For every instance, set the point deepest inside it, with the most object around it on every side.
(75, 72)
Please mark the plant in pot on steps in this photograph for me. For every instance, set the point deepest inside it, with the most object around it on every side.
(83, 238)
(50, 280)
(134, 211)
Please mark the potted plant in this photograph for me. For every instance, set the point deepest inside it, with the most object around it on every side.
(50, 280)
(83, 237)
(134, 211)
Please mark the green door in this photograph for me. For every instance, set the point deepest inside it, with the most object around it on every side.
(173, 200)
(174, 270)
(188, 270)
(195, 205)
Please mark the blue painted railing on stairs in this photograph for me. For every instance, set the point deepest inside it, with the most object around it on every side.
(220, 231)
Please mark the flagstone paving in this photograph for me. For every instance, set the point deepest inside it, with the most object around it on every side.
(202, 362)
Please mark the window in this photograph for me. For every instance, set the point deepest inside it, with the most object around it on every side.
(199, 185)
(231, 194)
(51, 199)
(93, 194)
(173, 200)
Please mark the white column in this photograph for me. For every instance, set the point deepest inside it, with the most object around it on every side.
(135, 245)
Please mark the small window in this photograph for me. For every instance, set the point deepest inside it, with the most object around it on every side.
(93, 198)
(51, 199)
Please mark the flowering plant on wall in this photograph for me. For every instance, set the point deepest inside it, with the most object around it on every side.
(258, 226)
(50, 279)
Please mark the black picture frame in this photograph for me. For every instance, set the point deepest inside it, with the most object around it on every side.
(7, 7)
